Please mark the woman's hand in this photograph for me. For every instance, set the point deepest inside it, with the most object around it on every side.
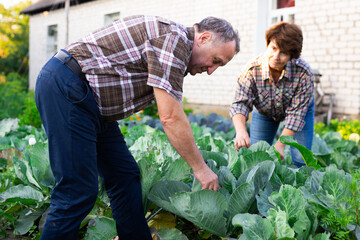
(242, 140)
(280, 147)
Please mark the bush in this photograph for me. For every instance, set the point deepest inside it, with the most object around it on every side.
(30, 115)
(17, 102)
(12, 99)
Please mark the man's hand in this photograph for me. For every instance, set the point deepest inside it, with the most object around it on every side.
(242, 140)
(207, 178)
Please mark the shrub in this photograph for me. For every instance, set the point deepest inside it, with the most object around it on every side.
(30, 115)
(12, 99)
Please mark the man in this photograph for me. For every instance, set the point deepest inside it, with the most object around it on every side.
(108, 75)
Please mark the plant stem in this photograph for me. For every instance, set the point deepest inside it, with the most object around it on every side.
(153, 215)
(356, 208)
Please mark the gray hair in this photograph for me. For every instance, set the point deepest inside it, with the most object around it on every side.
(222, 28)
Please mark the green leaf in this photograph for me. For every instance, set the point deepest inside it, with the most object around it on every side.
(262, 199)
(286, 176)
(227, 179)
(233, 162)
(282, 227)
(307, 155)
(101, 228)
(171, 234)
(254, 226)
(334, 187)
(216, 156)
(205, 209)
(260, 175)
(136, 132)
(162, 191)
(288, 199)
(322, 236)
(344, 160)
(8, 124)
(250, 160)
(319, 147)
(39, 166)
(332, 138)
(179, 171)
(241, 200)
(149, 175)
(20, 193)
(345, 146)
(209, 143)
(260, 146)
(302, 226)
(26, 220)
(274, 154)
(302, 174)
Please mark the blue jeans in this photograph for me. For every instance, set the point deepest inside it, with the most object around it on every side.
(81, 147)
(264, 129)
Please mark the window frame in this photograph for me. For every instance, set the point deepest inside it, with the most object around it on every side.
(277, 13)
(109, 17)
(52, 40)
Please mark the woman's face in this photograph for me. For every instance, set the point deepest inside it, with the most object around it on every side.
(277, 59)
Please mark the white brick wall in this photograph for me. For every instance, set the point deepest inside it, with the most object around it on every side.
(331, 31)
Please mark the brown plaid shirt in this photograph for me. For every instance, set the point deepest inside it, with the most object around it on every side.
(125, 60)
(287, 100)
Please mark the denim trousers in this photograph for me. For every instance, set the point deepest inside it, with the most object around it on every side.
(264, 128)
(82, 147)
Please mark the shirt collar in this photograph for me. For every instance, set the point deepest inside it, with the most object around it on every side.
(190, 33)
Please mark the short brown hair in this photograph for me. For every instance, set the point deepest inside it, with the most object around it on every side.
(288, 37)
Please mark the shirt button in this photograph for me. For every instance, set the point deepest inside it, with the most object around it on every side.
(278, 104)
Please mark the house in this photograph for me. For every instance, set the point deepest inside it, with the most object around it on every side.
(331, 32)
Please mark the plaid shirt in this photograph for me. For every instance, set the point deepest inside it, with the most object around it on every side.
(287, 100)
(125, 60)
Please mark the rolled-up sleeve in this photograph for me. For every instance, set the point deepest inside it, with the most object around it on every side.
(167, 61)
(244, 95)
(299, 106)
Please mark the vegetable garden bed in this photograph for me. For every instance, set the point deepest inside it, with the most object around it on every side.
(261, 196)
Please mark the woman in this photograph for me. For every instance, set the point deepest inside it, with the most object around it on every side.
(280, 85)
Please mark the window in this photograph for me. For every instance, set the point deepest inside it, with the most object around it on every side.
(52, 40)
(282, 10)
(111, 17)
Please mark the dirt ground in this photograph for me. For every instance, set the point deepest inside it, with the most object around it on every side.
(11, 236)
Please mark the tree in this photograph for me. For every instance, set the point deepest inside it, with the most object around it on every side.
(14, 40)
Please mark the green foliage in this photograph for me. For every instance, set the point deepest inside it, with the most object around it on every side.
(30, 115)
(152, 111)
(14, 44)
(17, 102)
(12, 99)
(260, 197)
(345, 128)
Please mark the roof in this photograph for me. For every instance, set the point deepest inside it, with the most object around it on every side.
(49, 5)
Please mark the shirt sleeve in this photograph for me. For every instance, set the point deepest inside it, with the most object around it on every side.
(300, 103)
(167, 58)
(244, 95)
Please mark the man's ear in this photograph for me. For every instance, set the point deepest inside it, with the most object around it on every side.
(205, 37)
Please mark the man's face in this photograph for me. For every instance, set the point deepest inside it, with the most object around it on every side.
(277, 59)
(208, 54)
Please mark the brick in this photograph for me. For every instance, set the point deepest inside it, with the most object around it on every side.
(353, 57)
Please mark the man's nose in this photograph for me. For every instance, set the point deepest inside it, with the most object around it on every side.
(212, 69)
